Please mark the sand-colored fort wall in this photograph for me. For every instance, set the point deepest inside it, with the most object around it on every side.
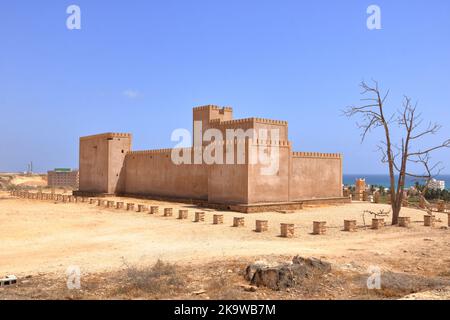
(267, 185)
(154, 173)
(101, 161)
(228, 183)
(108, 166)
(315, 175)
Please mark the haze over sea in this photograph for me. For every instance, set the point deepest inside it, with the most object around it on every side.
(383, 179)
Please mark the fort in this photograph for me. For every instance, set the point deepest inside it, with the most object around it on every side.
(108, 166)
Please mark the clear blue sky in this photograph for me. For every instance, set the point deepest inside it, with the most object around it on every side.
(140, 66)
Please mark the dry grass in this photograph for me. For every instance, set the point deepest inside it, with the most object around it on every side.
(160, 280)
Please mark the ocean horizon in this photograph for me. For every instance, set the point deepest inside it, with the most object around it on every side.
(383, 179)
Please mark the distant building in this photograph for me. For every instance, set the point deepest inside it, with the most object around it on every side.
(63, 177)
(436, 184)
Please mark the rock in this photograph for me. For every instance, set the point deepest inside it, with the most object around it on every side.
(275, 278)
(313, 263)
(249, 288)
(285, 275)
(252, 268)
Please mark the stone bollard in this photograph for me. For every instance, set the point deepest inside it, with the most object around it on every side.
(377, 223)
(82, 199)
(65, 198)
(130, 206)
(319, 227)
(404, 222)
(119, 205)
(350, 225)
(182, 214)
(141, 208)
(99, 202)
(428, 220)
(441, 206)
(154, 210)
(199, 216)
(91, 201)
(218, 219)
(168, 212)
(110, 204)
(262, 225)
(238, 222)
(287, 230)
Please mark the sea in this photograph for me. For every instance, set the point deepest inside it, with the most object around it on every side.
(383, 179)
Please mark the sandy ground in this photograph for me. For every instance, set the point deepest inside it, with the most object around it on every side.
(42, 236)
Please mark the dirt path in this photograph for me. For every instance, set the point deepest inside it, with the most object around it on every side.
(40, 237)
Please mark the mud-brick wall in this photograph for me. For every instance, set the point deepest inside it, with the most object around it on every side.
(270, 185)
(228, 183)
(154, 173)
(315, 175)
(101, 161)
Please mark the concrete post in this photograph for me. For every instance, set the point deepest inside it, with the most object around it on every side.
(218, 219)
(182, 214)
(377, 223)
(154, 210)
(199, 217)
(428, 220)
(350, 225)
(130, 206)
(141, 208)
(319, 227)
(238, 222)
(168, 212)
(262, 225)
(287, 230)
(119, 205)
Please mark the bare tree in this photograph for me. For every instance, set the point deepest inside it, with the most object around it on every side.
(397, 156)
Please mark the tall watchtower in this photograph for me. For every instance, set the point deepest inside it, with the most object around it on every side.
(205, 114)
(101, 162)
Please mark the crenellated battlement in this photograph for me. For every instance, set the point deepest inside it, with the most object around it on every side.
(107, 135)
(316, 155)
(248, 120)
(144, 152)
(212, 107)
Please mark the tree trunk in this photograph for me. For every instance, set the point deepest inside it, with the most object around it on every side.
(395, 212)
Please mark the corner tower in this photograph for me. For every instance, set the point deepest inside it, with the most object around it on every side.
(101, 162)
(205, 114)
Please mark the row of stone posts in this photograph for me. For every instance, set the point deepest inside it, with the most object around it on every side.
(47, 196)
(286, 229)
